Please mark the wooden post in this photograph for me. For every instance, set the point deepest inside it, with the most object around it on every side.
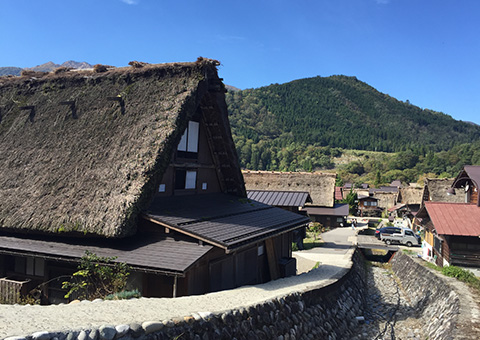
(175, 286)
(272, 259)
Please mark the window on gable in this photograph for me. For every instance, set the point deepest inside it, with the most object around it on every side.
(188, 146)
(185, 179)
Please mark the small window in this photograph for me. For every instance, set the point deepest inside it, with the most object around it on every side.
(204, 186)
(30, 266)
(261, 250)
(185, 179)
(161, 188)
(190, 180)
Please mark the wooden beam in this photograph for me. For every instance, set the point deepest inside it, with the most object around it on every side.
(272, 259)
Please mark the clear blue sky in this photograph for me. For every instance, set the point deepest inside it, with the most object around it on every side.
(426, 51)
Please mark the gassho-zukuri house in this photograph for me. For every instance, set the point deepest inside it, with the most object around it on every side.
(136, 163)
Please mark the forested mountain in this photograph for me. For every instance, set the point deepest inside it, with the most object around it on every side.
(306, 123)
(344, 112)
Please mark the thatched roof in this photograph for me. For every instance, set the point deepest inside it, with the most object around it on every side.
(82, 151)
(386, 199)
(321, 186)
(410, 195)
(435, 190)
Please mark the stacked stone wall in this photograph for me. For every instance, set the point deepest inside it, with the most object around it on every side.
(434, 300)
(328, 312)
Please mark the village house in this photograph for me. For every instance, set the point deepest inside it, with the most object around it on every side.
(368, 206)
(409, 201)
(320, 186)
(136, 163)
(452, 229)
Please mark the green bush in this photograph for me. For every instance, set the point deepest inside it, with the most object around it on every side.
(124, 295)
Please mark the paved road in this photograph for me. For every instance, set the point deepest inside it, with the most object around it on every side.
(335, 250)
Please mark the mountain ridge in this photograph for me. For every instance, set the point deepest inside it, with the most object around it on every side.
(46, 67)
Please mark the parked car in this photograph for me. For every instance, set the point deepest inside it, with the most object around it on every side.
(405, 236)
(387, 230)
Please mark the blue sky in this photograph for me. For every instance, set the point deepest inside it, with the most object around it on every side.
(426, 51)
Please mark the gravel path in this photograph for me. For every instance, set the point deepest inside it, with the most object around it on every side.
(18, 320)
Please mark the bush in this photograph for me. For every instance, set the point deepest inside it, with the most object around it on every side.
(97, 277)
(124, 295)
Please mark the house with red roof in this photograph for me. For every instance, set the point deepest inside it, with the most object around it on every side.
(452, 230)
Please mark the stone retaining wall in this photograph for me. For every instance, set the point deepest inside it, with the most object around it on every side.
(318, 313)
(435, 302)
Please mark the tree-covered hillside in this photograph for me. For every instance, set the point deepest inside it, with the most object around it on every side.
(306, 124)
(340, 111)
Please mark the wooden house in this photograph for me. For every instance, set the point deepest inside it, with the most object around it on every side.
(452, 233)
(368, 206)
(136, 163)
(452, 223)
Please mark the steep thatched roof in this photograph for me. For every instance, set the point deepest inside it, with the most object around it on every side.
(83, 151)
(410, 195)
(321, 186)
(435, 190)
(386, 199)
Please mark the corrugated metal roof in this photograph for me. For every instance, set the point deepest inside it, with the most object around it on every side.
(461, 219)
(280, 198)
(223, 220)
(337, 210)
(396, 207)
(338, 193)
(147, 251)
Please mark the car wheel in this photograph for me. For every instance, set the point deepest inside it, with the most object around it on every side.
(409, 244)
(388, 242)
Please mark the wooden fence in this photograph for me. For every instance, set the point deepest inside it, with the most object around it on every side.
(11, 290)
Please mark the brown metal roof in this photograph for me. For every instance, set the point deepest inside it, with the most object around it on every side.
(149, 252)
(337, 210)
(280, 198)
(461, 219)
(473, 172)
(223, 220)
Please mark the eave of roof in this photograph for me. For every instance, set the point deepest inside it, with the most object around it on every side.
(225, 221)
(461, 219)
(147, 252)
(337, 210)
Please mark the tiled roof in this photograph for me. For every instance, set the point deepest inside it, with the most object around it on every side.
(460, 219)
(147, 252)
(280, 198)
(222, 220)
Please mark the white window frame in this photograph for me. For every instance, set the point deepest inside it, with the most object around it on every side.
(189, 140)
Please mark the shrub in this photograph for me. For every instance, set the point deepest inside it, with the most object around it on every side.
(97, 277)
(124, 295)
